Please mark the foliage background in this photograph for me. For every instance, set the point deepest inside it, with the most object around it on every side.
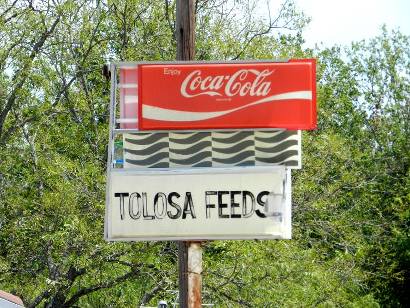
(350, 200)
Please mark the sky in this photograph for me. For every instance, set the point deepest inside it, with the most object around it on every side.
(343, 21)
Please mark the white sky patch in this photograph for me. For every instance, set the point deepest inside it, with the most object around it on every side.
(341, 22)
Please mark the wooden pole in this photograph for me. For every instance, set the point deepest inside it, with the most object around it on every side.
(185, 30)
(189, 253)
(194, 274)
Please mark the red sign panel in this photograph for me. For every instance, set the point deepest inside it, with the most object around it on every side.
(228, 95)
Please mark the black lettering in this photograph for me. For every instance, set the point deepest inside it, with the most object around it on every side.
(188, 203)
(246, 212)
(160, 214)
(121, 196)
(174, 205)
(234, 204)
(145, 208)
(131, 205)
(261, 203)
(222, 205)
(207, 204)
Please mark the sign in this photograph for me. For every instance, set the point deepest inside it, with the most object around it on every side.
(197, 149)
(224, 95)
(199, 204)
(205, 150)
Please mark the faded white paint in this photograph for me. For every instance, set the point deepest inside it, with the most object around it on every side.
(212, 216)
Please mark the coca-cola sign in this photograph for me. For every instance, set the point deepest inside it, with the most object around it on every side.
(227, 95)
(237, 84)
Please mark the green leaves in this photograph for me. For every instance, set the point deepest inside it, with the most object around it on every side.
(350, 200)
(361, 99)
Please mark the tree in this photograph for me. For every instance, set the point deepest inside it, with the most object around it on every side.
(350, 201)
(383, 70)
(353, 190)
(53, 136)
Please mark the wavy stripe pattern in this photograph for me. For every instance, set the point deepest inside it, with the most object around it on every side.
(146, 150)
(212, 149)
(233, 148)
(190, 149)
(280, 147)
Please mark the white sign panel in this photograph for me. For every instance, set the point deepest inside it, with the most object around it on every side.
(199, 204)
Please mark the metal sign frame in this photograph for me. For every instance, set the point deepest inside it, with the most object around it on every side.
(285, 227)
(114, 131)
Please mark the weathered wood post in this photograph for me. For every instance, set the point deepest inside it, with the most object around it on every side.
(189, 253)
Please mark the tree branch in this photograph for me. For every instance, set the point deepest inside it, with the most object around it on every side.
(24, 74)
(170, 25)
(273, 24)
(97, 287)
(3, 15)
(229, 297)
(151, 293)
(38, 299)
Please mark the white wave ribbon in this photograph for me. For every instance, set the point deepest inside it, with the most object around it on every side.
(162, 114)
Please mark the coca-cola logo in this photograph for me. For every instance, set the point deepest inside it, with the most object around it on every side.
(244, 82)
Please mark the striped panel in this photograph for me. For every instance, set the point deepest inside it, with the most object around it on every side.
(235, 148)
(277, 148)
(128, 89)
(212, 149)
(190, 149)
(147, 150)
